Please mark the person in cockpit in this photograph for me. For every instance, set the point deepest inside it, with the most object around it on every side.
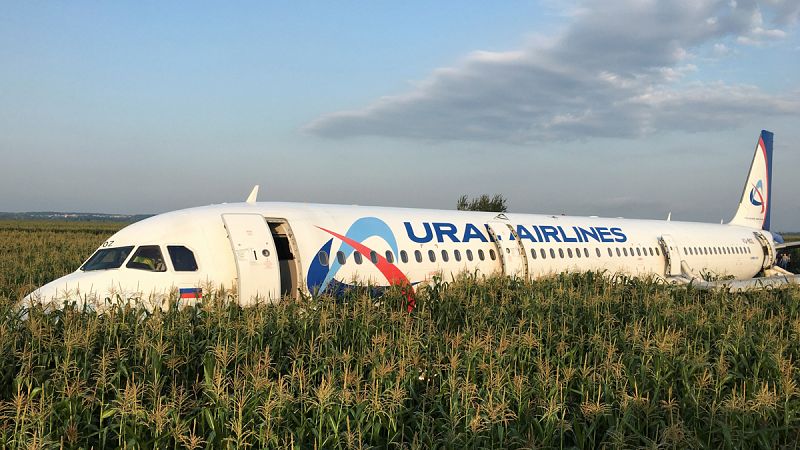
(147, 258)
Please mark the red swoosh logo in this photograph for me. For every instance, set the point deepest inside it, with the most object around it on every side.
(394, 275)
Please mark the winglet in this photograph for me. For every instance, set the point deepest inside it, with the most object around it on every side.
(253, 195)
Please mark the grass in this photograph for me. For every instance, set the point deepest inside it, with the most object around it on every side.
(567, 362)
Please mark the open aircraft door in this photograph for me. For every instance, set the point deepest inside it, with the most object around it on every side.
(767, 249)
(672, 256)
(256, 258)
(512, 252)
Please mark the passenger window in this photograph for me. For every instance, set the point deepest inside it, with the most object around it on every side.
(543, 253)
(625, 251)
(457, 255)
(389, 256)
(418, 256)
(432, 255)
(492, 255)
(533, 253)
(481, 256)
(610, 253)
(578, 252)
(323, 258)
(657, 252)
(445, 257)
(403, 256)
(552, 253)
(651, 251)
(586, 252)
(149, 258)
(598, 252)
(182, 258)
(340, 257)
(619, 253)
(469, 255)
(638, 251)
(357, 257)
(373, 257)
(569, 252)
(561, 253)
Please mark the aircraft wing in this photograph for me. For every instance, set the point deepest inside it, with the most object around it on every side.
(787, 245)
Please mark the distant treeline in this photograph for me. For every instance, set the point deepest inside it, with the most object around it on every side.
(73, 217)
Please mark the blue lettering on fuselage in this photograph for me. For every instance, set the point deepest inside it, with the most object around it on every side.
(444, 231)
(420, 240)
(473, 232)
(523, 233)
(550, 231)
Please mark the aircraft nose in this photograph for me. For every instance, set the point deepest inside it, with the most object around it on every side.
(70, 288)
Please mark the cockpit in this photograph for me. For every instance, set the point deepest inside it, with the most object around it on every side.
(149, 258)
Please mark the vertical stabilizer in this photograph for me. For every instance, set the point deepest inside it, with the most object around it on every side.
(756, 202)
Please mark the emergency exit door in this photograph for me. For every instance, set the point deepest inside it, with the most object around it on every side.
(258, 272)
(672, 256)
(512, 252)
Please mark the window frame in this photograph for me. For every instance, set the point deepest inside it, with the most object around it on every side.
(132, 255)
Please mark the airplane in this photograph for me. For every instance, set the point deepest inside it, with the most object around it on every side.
(262, 252)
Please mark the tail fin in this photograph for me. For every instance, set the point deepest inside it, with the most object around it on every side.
(754, 208)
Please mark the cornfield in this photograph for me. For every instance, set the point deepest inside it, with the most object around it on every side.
(570, 361)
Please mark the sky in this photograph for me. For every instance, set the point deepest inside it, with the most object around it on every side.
(586, 107)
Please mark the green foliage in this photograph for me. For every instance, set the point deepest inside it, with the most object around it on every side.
(576, 361)
(496, 203)
(35, 252)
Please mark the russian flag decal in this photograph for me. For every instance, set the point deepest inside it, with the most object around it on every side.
(191, 292)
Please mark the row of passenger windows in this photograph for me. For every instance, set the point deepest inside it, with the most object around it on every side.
(584, 252)
(727, 250)
(431, 254)
(578, 252)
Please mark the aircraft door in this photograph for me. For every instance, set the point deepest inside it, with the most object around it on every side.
(672, 257)
(256, 258)
(512, 252)
(767, 249)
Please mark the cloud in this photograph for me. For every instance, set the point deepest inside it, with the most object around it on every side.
(616, 70)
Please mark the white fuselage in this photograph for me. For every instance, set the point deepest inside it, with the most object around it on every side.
(266, 250)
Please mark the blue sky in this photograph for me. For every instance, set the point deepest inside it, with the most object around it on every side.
(620, 108)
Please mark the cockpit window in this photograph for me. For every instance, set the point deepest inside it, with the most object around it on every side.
(182, 258)
(107, 258)
(147, 257)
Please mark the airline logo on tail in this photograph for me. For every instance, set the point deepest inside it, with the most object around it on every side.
(756, 197)
(755, 204)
